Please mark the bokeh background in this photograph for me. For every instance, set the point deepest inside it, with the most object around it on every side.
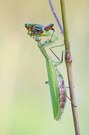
(25, 104)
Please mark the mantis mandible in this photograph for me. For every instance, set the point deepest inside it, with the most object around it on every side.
(55, 78)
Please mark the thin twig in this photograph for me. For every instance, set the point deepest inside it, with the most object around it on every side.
(56, 17)
(68, 61)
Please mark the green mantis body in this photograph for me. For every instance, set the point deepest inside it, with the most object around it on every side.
(56, 84)
(55, 80)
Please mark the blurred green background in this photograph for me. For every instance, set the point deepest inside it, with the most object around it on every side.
(25, 104)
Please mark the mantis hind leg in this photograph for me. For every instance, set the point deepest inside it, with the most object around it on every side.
(71, 101)
(62, 55)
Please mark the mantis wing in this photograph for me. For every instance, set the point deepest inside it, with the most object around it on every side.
(53, 84)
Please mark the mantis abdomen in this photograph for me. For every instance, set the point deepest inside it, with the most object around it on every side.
(62, 94)
(57, 89)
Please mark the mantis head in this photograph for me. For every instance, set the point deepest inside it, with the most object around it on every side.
(27, 26)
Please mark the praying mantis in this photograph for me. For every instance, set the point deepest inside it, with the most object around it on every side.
(55, 78)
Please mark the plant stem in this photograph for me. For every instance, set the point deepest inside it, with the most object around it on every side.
(69, 70)
(68, 60)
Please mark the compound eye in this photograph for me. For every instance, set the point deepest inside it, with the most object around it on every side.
(27, 25)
